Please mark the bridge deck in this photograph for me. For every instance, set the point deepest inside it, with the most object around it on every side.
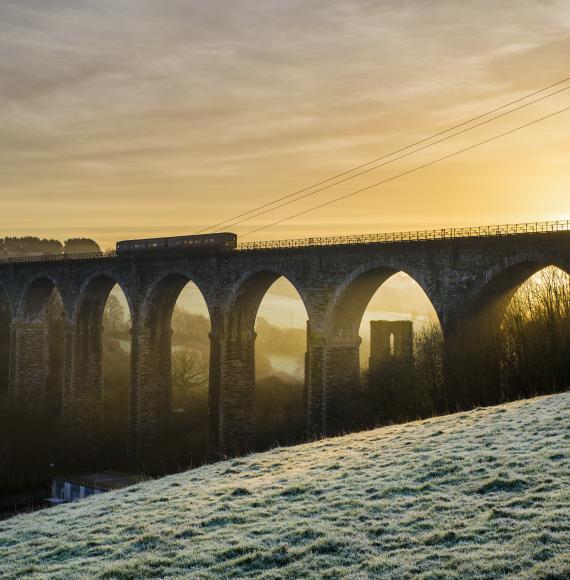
(378, 238)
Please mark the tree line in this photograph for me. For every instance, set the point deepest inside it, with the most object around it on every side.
(12, 247)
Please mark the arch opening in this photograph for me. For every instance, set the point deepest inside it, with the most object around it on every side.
(36, 301)
(535, 333)
(280, 355)
(398, 340)
(179, 313)
(37, 345)
(102, 351)
(116, 354)
(513, 340)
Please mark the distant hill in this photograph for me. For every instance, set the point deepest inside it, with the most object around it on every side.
(481, 494)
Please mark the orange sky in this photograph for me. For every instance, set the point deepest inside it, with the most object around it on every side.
(124, 118)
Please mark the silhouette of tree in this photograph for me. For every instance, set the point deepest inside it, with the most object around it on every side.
(188, 370)
(28, 246)
(114, 315)
(80, 246)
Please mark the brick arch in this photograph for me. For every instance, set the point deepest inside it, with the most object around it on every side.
(159, 303)
(34, 303)
(242, 308)
(354, 294)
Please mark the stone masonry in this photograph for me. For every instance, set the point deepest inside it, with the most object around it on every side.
(461, 277)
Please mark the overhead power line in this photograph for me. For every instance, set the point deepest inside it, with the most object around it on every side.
(394, 159)
(408, 172)
(229, 221)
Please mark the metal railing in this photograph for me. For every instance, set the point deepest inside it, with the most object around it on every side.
(413, 236)
(58, 257)
(382, 238)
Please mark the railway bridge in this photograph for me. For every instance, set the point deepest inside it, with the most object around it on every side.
(462, 271)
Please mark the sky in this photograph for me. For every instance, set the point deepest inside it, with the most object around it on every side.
(138, 118)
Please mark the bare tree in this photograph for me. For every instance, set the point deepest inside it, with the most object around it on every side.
(114, 315)
(188, 370)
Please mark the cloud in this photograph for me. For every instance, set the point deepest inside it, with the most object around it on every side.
(121, 98)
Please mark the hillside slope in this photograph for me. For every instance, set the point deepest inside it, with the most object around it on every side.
(485, 493)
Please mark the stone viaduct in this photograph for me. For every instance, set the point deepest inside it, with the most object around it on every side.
(461, 276)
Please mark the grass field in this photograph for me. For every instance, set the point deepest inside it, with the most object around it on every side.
(482, 494)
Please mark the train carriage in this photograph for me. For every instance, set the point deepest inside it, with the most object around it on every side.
(203, 243)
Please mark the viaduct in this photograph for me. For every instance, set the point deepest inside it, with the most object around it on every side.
(461, 271)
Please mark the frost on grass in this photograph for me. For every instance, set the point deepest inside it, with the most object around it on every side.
(481, 494)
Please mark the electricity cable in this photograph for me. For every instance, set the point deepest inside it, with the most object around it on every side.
(385, 156)
(408, 172)
(311, 193)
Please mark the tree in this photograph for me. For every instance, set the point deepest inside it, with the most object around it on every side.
(80, 246)
(28, 245)
(188, 370)
(190, 327)
(114, 315)
(536, 330)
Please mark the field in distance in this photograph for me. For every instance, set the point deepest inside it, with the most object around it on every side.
(483, 494)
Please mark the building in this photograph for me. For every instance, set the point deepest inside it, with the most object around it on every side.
(68, 488)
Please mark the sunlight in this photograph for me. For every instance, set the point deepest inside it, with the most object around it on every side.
(547, 291)
(399, 298)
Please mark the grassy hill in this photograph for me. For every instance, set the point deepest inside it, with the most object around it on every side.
(484, 493)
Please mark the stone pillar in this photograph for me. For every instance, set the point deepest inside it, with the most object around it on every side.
(28, 372)
(29, 366)
(315, 382)
(82, 406)
(333, 377)
(150, 402)
(236, 415)
(343, 389)
(214, 395)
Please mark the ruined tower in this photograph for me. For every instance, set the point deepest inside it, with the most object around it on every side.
(391, 347)
(391, 370)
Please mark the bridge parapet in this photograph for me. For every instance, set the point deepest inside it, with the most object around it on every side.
(413, 236)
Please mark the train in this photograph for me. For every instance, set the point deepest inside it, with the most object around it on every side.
(203, 243)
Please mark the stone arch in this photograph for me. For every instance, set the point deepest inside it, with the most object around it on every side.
(335, 390)
(234, 396)
(37, 370)
(535, 335)
(494, 292)
(92, 298)
(474, 345)
(354, 295)
(34, 303)
(249, 291)
(83, 404)
(152, 397)
(161, 298)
